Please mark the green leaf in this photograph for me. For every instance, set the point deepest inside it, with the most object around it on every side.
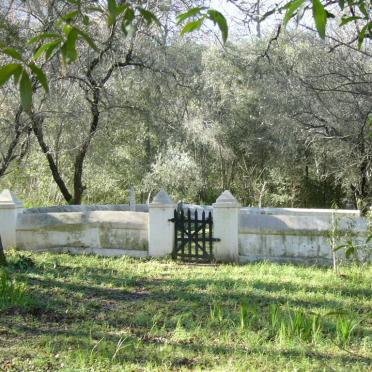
(87, 38)
(25, 89)
(320, 17)
(220, 20)
(191, 13)
(67, 29)
(149, 17)
(17, 74)
(86, 20)
(7, 71)
(70, 16)
(39, 73)
(349, 252)
(47, 49)
(330, 15)
(68, 49)
(192, 26)
(363, 9)
(51, 49)
(345, 20)
(339, 247)
(362, 35)
(292, 8)
(369, 239)
(127, 22)
(341, 3)
(42, 37)
(12, 53)
(111, 6)
(92, 9)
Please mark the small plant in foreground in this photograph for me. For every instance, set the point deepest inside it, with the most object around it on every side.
(247, 315)
(316, 328)
(295, 324)
(216, 312)
(345, 326)
(274, 316)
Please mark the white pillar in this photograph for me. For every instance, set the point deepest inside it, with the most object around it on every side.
(10, 206)
(161, 230)
(225, 227)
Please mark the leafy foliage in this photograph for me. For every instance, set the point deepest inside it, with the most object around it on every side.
(65, 41)
(355, 11)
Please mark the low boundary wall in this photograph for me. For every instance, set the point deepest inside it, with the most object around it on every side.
(245, 234)
(100, 232)
(294, 235)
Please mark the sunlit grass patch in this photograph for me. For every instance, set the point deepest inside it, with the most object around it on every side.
(91, 313)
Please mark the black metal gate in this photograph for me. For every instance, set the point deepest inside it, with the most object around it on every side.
(193, 236)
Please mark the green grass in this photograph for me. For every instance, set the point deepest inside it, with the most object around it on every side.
(84, 313)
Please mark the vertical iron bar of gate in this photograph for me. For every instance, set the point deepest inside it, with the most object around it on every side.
(203, 232)
(189, 230)
(176, 219)
(210, 224)
(196, 234)
(183, 231)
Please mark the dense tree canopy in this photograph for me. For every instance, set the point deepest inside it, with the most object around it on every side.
(119, 99)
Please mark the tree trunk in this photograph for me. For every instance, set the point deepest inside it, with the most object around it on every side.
(2, 255)
(80, 157)
(39, 134)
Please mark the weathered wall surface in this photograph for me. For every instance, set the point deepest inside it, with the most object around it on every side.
(100, 232)
(293, 235)
(246, 234)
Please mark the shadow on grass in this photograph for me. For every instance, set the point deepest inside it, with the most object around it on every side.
(151, 346)
(117, 308)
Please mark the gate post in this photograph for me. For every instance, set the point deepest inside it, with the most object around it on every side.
(161, 230)
(10, 206)
(226, 225)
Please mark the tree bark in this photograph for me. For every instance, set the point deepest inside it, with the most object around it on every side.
(2, 254)
(80, 157)
(38, 131)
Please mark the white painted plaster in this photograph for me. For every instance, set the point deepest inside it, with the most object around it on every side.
(10, 206)
(161, 230)
(225, 227)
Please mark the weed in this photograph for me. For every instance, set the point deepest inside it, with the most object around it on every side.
(248, 315)
(274, 316)
(345, 326)
(216, 312)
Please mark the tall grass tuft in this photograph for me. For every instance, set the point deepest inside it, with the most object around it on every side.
(345, 326)
(216, 312)
(248, 315)
(295, 324)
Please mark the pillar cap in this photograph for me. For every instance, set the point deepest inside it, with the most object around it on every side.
(162, 199)
(9, 200)
(226, 200)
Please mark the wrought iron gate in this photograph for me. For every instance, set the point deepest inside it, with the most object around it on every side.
(193, 236)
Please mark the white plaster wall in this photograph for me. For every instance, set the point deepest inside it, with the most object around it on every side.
(292, 235)
(102, 232)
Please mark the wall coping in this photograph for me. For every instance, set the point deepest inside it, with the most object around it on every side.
(226, 200)
(300, 211)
